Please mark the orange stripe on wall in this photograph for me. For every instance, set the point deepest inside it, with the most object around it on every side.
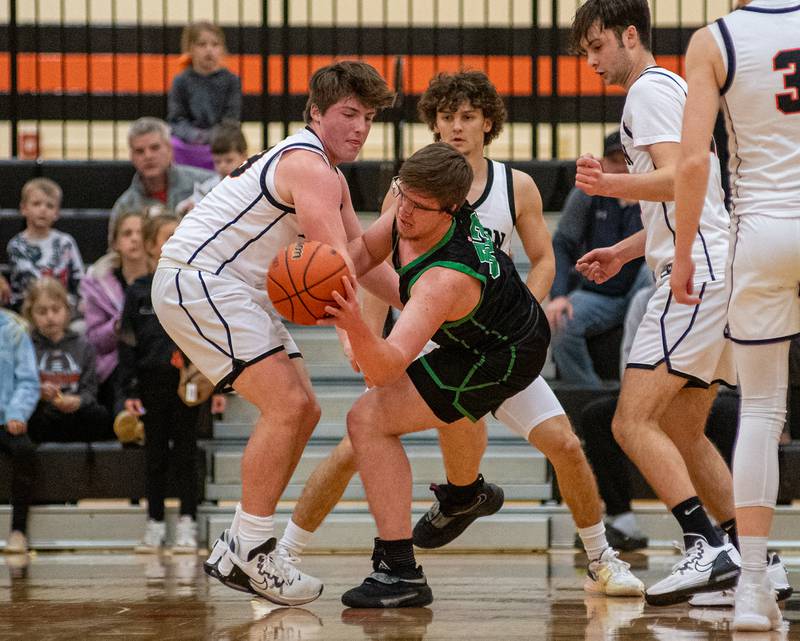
(105, 73)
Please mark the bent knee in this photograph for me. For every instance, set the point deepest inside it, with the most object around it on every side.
(565, 446)
(361, 422)
(621, 429)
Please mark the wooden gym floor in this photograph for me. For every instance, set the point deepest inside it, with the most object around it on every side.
(503, 597)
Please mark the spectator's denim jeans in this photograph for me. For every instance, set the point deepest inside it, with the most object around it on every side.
(593, 314)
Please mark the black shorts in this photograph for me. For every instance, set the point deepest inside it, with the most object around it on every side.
(457, 383)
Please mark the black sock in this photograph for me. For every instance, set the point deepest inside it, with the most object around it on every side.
(693, 520)
(397, 554)
(461, 494)
(729, 527)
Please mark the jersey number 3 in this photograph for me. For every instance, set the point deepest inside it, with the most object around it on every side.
(788, 61)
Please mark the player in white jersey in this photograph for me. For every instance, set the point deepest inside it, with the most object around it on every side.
(678, 355)
(465, 110)
(209, 294)
(750, 59)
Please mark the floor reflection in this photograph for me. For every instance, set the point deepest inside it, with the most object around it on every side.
(503, 597)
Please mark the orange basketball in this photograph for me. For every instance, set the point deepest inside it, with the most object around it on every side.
(302, 278)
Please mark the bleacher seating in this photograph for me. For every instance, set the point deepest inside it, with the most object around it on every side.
(69, 472)
(92, 186)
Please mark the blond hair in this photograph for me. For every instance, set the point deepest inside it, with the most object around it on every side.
(48, 187)
(44, 286)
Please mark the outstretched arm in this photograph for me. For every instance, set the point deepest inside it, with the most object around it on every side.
(439, 295)
(655, 186)
(599, 265)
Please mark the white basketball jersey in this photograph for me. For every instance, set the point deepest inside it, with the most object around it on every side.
(760, 45)
(653, 114)
(495, 206)
(239, 227)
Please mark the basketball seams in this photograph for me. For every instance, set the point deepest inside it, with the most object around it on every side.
(285, 276)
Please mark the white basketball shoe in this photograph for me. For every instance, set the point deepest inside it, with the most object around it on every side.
(610, 576)
(778, 578)
(703, 568)
(755, 608)
(267, 573)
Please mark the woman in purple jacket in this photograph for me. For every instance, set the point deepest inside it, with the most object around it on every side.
(103, 293)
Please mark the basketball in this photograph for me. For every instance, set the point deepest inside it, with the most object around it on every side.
(302, 278)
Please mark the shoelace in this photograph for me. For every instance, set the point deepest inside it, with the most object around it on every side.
(286, 562)
(690, 556)
(615, 563)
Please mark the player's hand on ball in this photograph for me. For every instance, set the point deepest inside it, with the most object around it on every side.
(589, 176)
(347, 315)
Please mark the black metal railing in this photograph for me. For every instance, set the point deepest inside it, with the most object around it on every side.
(111, 68)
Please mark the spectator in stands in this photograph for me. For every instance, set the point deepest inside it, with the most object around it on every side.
(203, 95)
(103, 292)
(150, 382)
(40, 250)
(157, 181)
(229, 150)
(577, 313)
(19, 391)
(68, 409)
(5, 291)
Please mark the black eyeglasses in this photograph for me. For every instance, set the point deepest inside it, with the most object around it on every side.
(399, 193)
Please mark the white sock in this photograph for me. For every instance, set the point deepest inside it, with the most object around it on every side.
(594, 540)
(295, 539)
(754, 559)
(625, 523)
(233, 530)
(253, 531)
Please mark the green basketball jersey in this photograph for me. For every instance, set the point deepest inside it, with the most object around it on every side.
(507, 312)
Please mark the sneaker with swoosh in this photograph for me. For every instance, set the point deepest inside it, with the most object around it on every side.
(444, 521)
(267, 574)
(703, 568)
(778, 578)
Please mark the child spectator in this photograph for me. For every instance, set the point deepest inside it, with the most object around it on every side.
(202, 96)
(68, 409)
(151, 385)
(229, 150)
(103, 292)
(41, 250)
(19, 391)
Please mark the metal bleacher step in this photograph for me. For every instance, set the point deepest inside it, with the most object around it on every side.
(520, 470)
(518, 526)
(351, 528)
(226, 433)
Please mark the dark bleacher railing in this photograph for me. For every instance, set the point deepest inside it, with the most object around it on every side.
(72, 73)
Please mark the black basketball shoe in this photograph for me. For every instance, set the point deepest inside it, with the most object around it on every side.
(390, 587)
(387, 588)
(444, 521)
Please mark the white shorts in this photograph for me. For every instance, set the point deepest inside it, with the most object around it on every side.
(222, 324)
(764, 271)
(689, 339)
(529, 408)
